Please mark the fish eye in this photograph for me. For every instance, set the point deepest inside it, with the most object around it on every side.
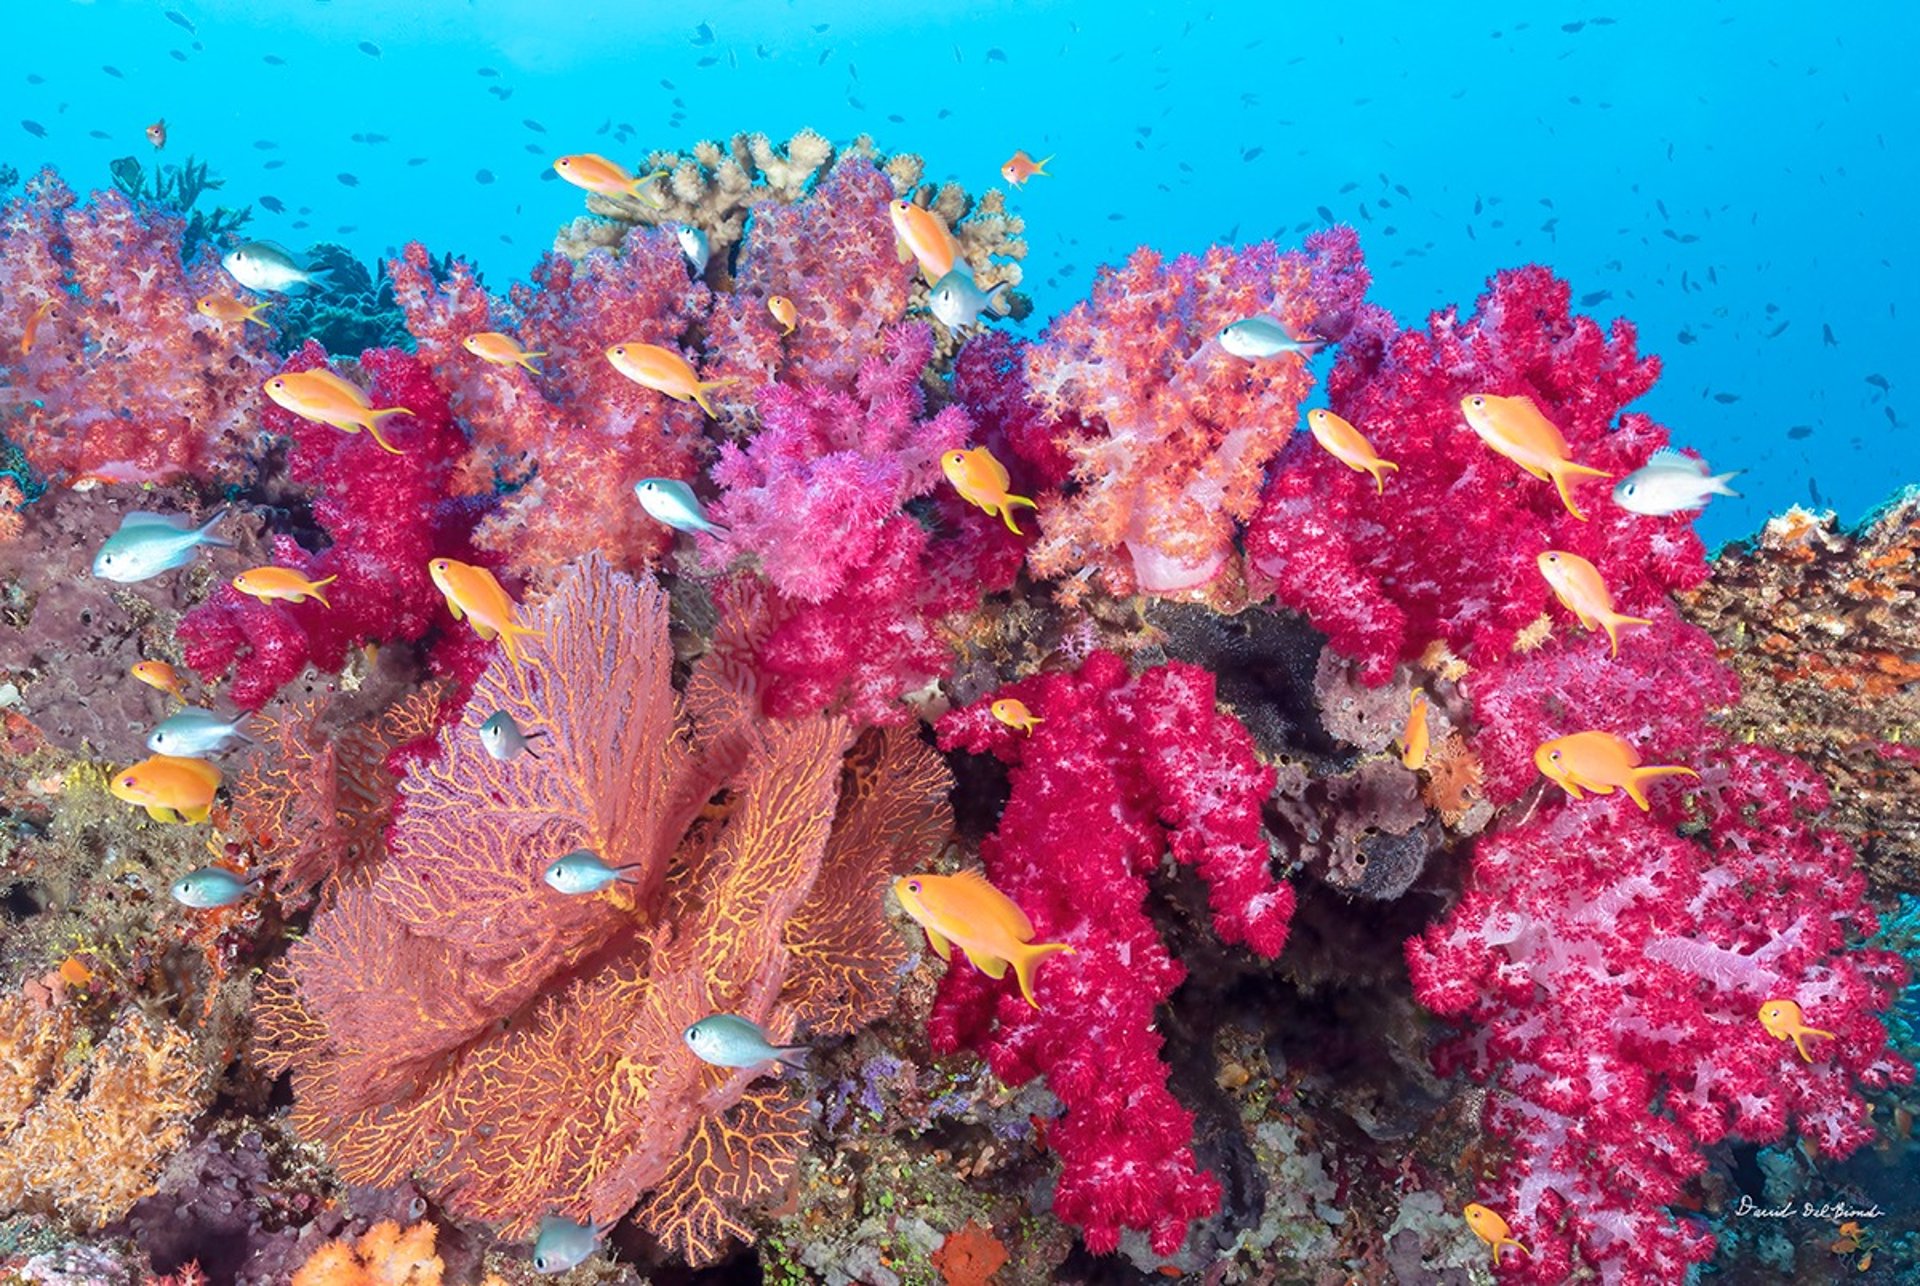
(913, 886)
(1632, 487)
(129, 782)
(1554, 755)
(1553, 558)
(693, 1032)
(540, 1261)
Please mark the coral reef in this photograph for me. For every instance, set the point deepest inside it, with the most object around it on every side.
(422, 1039)
(1823, 627)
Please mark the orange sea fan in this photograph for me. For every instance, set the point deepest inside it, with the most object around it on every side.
(520, 1051)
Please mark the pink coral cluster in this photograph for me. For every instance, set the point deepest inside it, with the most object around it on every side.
(1447, 553)
(1609, 976)
(123, 381)
(817, 498)
(386, 515)
(1122, 769)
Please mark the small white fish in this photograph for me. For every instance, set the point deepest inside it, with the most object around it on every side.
(728, 1040)
(502, 738)
(265, 267)
(1671, 483)
(148, 544)
(563, 1244)
(194, 733)
(958, 302)
(672, 502)
(210, 887)
(582, 871)
(695, 246)
(1257, 337)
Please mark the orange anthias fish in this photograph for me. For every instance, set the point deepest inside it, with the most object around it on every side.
(919, 234)
(1514, 427)
(1602, 763)
(664, 371)
(1013, 712)
(1492, 1229)
(169, 788)
(323, 397)
(982, 480)
(783, 312)
(602, 177)
(964, 910)
(472, 592)
(1413, 742)
(270, 583)
(1782, 1019)
(157, 133)
(158, 674)
(1577, 584)
(1020, 167)
(501, 350)
(227, 310)
(31, 335)
(1346, 444)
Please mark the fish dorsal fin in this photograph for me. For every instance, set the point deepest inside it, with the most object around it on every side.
(150, 520)
(1017, 919)
(1671, 458)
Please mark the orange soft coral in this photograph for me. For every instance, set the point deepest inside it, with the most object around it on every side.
(387, 1255)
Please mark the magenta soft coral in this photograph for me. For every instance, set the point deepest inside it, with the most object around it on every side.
(1447, 553)
(125, 381)
(386, 515)
(1608, 974)
(818, 498)
(1121, 769)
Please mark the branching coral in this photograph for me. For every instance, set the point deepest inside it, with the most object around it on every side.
(529, 1060)
(124, 382)
(1447, 552)
(1121, 770)
(84, 1127)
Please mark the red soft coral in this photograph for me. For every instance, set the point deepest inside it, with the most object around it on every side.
(1447, 553)
(1120, 770)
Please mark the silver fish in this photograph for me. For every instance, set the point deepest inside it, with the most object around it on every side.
(1671, 483)
(501, 738)
(148, 544)
(958, 302)
(563, 1244)
(211, 886)
(695, 246)
(672, 502)
(582, 871)
(1257, 337)
(728, 1040)
(266, 267)
(193, 733)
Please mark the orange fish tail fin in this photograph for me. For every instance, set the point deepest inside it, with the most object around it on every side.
(1640, 775)
(1027, 957)
(526, 360)
(700, 393)
(637, 189)
(1379, 480)
(1040, 167)
(253, 315)
(1611, 624)
(373, 427)
(315, 588)
(1562, 470)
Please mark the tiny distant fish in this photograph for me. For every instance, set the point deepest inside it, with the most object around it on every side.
(709, 61)
(1800, 431)
(1813, 490)
(1726, 399)
(157, 133)
(176, 55)
(114, 72)
(487, 71)
(368, 48)
(483, 176)
(34, 128)
(1571, 27)
(702, 35)
(178, 19)
(421, 160)
(264, 144)
(996, 55)
(98, 133)
(534, 125)
(376, 138)
(1826, 333)
(1253, 153)
(274, 60)
(1880, 382)
(819, 27)
(500, 92)
(1686, 337)
(1593, 297)
(1326, 215)
(1779, 330)
(274, 204)
(347, 180)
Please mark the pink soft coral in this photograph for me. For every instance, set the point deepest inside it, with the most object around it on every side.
(1447, 553)
(125, 381)
(1121, 770)
(1609, 974)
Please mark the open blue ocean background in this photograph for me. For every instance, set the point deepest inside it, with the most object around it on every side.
(1736, 178)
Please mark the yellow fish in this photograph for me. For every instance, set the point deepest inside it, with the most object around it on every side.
(1782, 1020)
(964, 910)
(1414, 741)
(472, 592)
(1347, 445)
(664, 371)
(1013, 712)
(227, 310)
(1492, 1229)
(1602, 763)
(501, 350)
(783, 312)
(158, 674)
(1514, 427)
(919, 234)
(598, 175)
(169, 788)
(1577, 584)
(323, 397)
(270, 583)
(982, 480)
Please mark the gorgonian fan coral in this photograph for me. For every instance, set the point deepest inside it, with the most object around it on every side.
(1121, 770)
(1447, 552)
(528, 1060)
(123, 381)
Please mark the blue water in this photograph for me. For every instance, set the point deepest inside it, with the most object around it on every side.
(1735, 176)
